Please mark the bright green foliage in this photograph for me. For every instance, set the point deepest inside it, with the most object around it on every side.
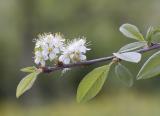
(124, 75)
(92, 83)
(129, 56)
(29, 69)
(151, 32)
(133, 46)
(151, 67)
(26, 83)
(131, 31)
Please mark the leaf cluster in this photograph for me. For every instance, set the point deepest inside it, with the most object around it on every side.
(93, 82)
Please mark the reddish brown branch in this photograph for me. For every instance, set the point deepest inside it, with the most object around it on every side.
(89, 62)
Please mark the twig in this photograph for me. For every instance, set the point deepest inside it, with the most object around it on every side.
(89, 62)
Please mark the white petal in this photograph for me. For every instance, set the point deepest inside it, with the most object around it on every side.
(45, 52)
(42, 63)
(45, 57)
(56, 50)
(52, 56)
(82, 49)
(61, 58)
(38, 54)
(37, 60)
(66, 61)
(82, 57)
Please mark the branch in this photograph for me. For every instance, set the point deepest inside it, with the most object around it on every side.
(89, 62)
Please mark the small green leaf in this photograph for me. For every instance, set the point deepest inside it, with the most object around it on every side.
(92, 83)
(26, 83)
(132, 46)
(149, 34)
(124, 75)
(29, 69)
(129, 56)
(151, 67)
(131, 31)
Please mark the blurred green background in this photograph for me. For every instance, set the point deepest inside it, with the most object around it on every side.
(53, 94)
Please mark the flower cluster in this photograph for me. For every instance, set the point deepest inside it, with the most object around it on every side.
(47, 47)
(74, 52)
(53, 47)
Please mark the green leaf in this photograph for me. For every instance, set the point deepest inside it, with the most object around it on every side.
(149, 34)
(151, 67)
(92, 83)
(29, 69)
(129, 56)
(26, 83)
(131, 31)
(132, 46)
(124, 75)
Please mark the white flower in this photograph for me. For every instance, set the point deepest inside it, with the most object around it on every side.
(47, 47)
(74, 51)
(39, 58)
(64, 58)
(51, 47)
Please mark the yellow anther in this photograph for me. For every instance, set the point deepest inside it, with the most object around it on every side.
(49, 49)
